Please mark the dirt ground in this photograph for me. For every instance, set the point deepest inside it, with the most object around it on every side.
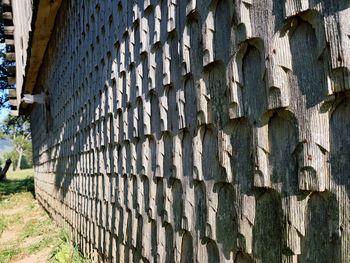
(27, 233)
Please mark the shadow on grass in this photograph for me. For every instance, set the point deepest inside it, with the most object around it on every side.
(14, 186)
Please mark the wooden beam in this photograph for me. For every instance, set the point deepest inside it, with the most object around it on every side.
(45, 20)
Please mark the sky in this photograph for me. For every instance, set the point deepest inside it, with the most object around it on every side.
(5, 145)
(3, 114)
(3, 111)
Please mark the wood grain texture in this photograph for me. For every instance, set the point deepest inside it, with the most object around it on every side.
(198, 131)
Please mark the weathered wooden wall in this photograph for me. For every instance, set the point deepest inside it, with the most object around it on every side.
(181, 131)
(21, 16)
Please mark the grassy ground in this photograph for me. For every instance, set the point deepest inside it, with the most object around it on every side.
(27, 233)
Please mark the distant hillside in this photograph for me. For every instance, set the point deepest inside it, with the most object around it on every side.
(5, 146)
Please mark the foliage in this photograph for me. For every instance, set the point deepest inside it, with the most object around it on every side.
(4, 65)
(66, 252)
(7, 69)
(17, 129)
(26, 160)
(12, 155)
(16, 126)
(2, 135)
(20, 124)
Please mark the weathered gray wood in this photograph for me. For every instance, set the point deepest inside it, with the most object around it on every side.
(198, 131)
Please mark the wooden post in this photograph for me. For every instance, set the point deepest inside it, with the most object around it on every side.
(4, 171)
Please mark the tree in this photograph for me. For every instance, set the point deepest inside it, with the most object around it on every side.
(17, 129)
(4, 170)
(7, 68)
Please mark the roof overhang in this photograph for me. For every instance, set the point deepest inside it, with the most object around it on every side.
(37, 35)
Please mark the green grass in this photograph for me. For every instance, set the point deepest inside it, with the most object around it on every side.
(26, 229)
(7, 254)
(66, 252)
(3, 225)
(17, 182)
(35, 227)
